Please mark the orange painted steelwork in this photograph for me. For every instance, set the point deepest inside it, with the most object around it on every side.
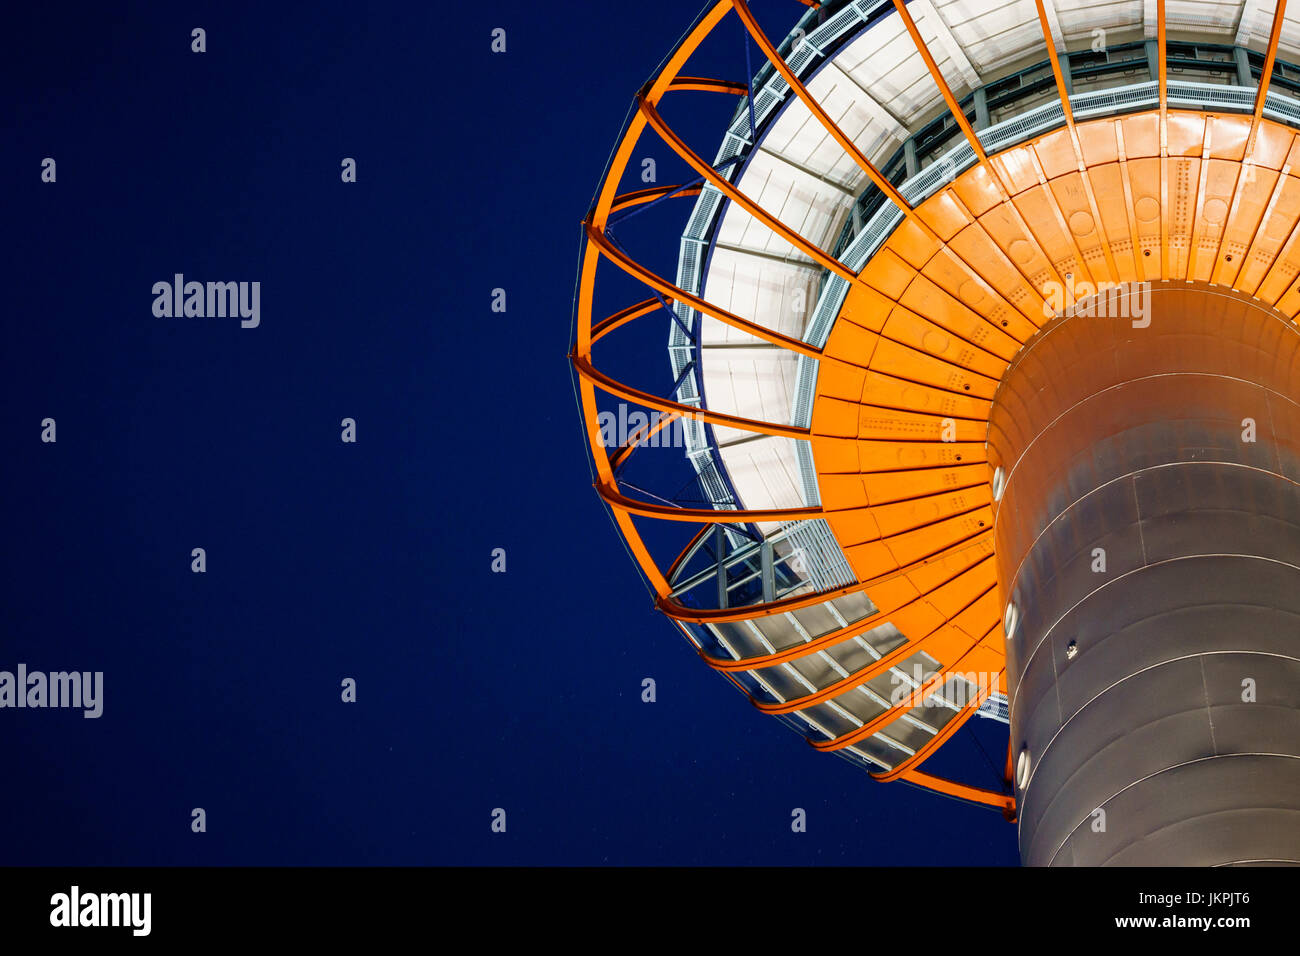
(642, 196)
(900, 6)
(678, 146)
(773, 57)
(925, 332)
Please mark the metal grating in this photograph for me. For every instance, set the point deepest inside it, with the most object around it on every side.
(1115, 100)
(995, 707)
(824, 562)
(1282, 108)
(1212, 95)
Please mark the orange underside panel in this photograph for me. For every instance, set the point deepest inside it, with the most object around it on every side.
(914, 359)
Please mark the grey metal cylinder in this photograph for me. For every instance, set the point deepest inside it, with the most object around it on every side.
(1147, 525)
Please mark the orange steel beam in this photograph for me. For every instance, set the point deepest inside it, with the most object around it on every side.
(601, 243)
(939, 739)
(1160, 59)
(801, 91)
(589, 373)
(953, 105)
(989, 797)
(1279, 261)
(1266, 76)
(871, 670)
(1202, 182)
(1084, 179)
(914, 699)
(642, 196)
(995, 177)
(704, 84)
(623, 317)
(678, 146)
(642, 434)
(1054, 58)
(798, 651)
(592, 255)
(981, 541)
(1261, 227)
(631, 506)
(859, 677)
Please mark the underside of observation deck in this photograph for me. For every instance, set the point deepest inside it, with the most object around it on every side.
(843, 316)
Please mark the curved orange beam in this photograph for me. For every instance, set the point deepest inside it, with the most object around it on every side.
(642, 434)
(935, 742)
(1266, 76)
(638, 271)
(953, 105)
(618, 319)
(678, 146)
(801, 650)
(642, 196)
(856, 679)
(696, 616)
(832, 638)
(991, 798)
(1162, 74)
(590, 261)
(711, 515)
(590, 373)
(704, 84)
(801, 91)
(915, 699)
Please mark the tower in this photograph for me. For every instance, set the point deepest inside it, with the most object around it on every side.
(982, 356)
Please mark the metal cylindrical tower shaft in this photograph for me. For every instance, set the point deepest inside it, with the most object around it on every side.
(1146, 453)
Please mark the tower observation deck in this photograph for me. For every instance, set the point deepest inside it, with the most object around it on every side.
(981, 398)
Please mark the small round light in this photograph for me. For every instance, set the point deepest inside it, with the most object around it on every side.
(999, 483)
(1022, 768)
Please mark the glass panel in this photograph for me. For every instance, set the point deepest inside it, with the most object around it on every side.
(780, 630)
(836, 723)
(892, 687)
(885, 638)
(857, 703)
(817, 670)
(889, 756)
(909, 735)
(782, 681)
(855, 606)
(817, 620)
(851, 655)
(737, 635)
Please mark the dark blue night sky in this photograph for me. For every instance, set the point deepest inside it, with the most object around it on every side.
(371, 560)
